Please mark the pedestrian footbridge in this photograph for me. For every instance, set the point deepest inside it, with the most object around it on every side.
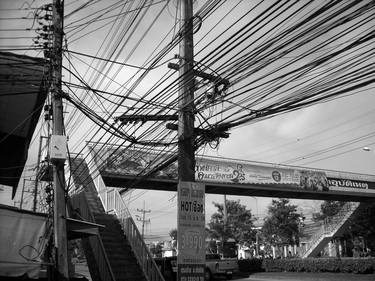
(118, 252)
(136, 169)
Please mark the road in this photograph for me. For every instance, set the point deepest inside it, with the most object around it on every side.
(307, 276)
(82, 270)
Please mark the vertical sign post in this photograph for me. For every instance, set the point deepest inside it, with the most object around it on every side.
(191, 231)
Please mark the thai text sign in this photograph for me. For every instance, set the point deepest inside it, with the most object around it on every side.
(215, 170)
(246, 173)
(191, 231)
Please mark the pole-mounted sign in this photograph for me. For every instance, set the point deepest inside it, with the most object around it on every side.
(191, 231)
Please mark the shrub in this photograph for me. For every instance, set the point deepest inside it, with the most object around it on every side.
(349, 265)
(250, 265)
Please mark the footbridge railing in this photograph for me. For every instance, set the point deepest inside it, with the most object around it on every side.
(114, 204)
(330, 227)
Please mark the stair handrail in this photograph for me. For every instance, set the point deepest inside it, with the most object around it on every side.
(317, 236)
(337, 220)
(85, 213)
(330, 225)
(135, 239)
(114, 203)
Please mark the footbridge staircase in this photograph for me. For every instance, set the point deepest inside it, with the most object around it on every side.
(117, 252)
(331, 227)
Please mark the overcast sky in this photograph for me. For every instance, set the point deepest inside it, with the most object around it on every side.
(288, 138)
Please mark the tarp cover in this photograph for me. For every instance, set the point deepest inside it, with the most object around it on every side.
(21, 243)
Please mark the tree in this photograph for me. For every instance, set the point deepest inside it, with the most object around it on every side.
(282, 223)
(363, 225)
(156, 250)
(328, 209)
(239, 222)
(173, 234)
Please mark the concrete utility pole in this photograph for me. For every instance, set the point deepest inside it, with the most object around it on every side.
(60, 230)
(225, 215)
(37, 173)
(23, 191)
(186, 156)
(143, 219)
(190, 220)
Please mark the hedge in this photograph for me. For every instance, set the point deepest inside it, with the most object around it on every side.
(250, 265)
(347, 265)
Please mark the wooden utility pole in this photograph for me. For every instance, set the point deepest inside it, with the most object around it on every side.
(143, 219)
(186, 157)
(60, 230)
(190, 196)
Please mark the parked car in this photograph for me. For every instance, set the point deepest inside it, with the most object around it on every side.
(215, 266)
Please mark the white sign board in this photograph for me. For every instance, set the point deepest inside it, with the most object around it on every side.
(191, 231)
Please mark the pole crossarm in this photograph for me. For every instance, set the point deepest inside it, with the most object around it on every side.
(210, 134)
(124, 119)
(203, 75)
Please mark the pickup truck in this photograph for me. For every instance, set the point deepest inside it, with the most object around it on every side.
(215, 266)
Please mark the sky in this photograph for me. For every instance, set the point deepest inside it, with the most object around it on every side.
(328, 135)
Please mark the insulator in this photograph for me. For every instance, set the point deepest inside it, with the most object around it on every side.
(48, 189)
(47, 28)
(47, 7)
(47, 54)
(49, 198)
(211, 93)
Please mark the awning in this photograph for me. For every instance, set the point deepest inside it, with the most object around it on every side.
(23, 90)
(81, 229)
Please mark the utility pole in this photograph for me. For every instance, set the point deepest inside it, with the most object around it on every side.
(37, 173)
(58, 144)
(225, 213)
(190, 221)
(186, 156)
(143, 219)
(23, 191)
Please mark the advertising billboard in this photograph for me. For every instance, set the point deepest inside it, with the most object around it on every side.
(191, 231)
(133, 162)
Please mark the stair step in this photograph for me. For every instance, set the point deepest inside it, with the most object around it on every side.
(111, 232)
(128, 260)
(112, 240)
(119, 252)
(126, 273)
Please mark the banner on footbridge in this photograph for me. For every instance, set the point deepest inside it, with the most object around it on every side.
(236, 175)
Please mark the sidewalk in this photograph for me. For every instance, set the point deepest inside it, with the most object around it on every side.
(306, 276)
